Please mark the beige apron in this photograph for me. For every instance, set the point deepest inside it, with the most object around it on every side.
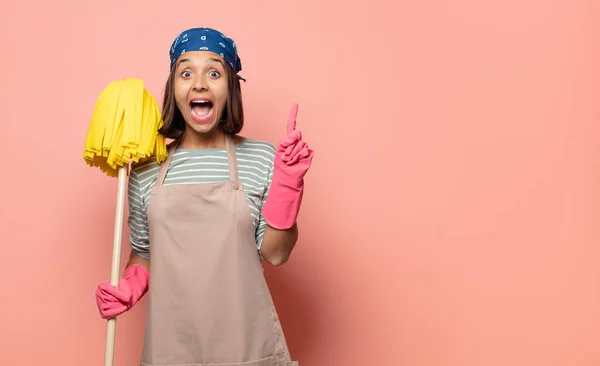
(208, 301)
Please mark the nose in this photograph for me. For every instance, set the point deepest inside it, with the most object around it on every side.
(199, 83)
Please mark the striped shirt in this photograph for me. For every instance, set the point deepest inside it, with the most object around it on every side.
(193, 166)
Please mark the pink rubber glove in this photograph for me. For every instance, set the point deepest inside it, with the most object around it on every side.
(113, 301)
(292, 160)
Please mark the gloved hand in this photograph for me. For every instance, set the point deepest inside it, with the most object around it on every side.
(292, 160)
(113, 301)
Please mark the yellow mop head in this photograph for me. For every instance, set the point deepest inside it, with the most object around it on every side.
(124, 127)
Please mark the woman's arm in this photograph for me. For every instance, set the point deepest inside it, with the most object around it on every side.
(136, 259)
(139, 237)
(277, 245)
(286, 186)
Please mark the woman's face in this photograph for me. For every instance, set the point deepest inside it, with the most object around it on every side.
(201, 88)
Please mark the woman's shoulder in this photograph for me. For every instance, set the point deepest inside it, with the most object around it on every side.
(255, 145)
(146, 166)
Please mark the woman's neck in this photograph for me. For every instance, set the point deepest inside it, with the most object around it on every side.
(193, 140)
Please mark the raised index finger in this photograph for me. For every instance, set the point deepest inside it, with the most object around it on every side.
(291, 123)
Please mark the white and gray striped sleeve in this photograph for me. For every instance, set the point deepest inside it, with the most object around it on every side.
(262, 224)
(137, 220)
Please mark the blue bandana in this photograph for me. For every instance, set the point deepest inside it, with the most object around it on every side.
(206, 39)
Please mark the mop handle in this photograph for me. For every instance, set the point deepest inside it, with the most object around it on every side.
(116, 261)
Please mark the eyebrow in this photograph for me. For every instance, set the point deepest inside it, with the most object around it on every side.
(183, 60)
(212, 59)
(217, 60)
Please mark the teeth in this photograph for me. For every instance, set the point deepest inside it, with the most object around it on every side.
(199, 101)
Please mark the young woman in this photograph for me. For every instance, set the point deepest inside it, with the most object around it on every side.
(202, 221)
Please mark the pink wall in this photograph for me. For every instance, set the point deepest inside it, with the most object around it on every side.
(453, 208)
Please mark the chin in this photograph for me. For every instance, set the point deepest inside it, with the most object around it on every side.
(205, 130)
(201, 128)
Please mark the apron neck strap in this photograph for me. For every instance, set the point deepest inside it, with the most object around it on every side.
(162, 171)
(231, 157)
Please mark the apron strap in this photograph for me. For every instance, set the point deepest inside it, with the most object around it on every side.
(162, 172)
(231, 157)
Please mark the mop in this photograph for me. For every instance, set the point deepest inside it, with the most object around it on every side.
(123, 129)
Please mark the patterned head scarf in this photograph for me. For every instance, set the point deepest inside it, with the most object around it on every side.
(206, 39)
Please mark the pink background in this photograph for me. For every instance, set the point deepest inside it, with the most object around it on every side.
(451, 214)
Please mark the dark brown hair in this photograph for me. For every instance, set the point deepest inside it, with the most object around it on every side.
(231, 121)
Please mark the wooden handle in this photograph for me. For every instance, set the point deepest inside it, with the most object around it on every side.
(116, 261)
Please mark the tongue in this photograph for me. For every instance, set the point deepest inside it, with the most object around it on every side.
(201, 110)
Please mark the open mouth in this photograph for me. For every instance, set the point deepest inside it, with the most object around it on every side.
(201, 109)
